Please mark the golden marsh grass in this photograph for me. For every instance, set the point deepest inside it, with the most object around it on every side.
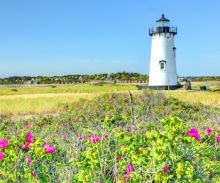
(203, 97)
(40, 100)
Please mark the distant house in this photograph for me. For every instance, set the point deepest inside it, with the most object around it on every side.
(95, 82)
(181, 79)
(59, 80)
(32, 82)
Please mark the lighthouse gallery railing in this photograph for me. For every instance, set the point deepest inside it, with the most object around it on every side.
(172, 30)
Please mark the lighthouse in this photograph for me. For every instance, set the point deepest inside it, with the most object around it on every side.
(162, 74)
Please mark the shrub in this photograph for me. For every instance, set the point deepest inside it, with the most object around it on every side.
(27, 159)
(168, 152)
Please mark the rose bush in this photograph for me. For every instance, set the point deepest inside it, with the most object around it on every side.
(26, 159)
(167, 151)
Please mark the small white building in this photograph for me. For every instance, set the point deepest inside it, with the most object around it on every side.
(162, 74)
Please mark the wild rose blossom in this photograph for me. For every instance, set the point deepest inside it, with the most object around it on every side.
(209, 131)
(26, 147)
(3, 143)
(49, 149)
(217, 138)
(197, 137)
(65, 124)
(33, 174)
(28, 160)
(29, 138)
(194, 134)
(166, 169)
(2, 156)
(128, 129)
(129, 169)
(94, 139)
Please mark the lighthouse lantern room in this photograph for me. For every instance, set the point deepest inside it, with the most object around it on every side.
(162, 74)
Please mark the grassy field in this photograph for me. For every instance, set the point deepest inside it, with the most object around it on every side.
(78, 88)
(39, 103)
(50, 99)
(39, 100)
(114, 137)
(203, 97)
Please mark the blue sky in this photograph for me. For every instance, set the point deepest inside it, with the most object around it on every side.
(58, 37)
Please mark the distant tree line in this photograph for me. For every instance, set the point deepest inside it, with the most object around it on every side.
(119, 77)
(203, 78)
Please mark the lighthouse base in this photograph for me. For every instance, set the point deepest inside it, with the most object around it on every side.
(165, 87)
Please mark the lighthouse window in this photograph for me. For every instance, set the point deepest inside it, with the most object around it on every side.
(162, 64)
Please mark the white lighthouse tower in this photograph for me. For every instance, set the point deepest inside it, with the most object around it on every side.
(162, 73)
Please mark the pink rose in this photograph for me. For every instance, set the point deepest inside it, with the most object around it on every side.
(33, 174)
(3, 143)
(65, 124)
(128, 129)
(49, 149)
(209, 131)
(166, 169)
(29, 138)
(28, 160)
(129, 169)
(2, 156)
(194, 134)
(197, 137)
(26, 147)
(94, 139)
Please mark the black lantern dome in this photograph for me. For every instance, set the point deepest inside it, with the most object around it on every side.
(163, 19)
